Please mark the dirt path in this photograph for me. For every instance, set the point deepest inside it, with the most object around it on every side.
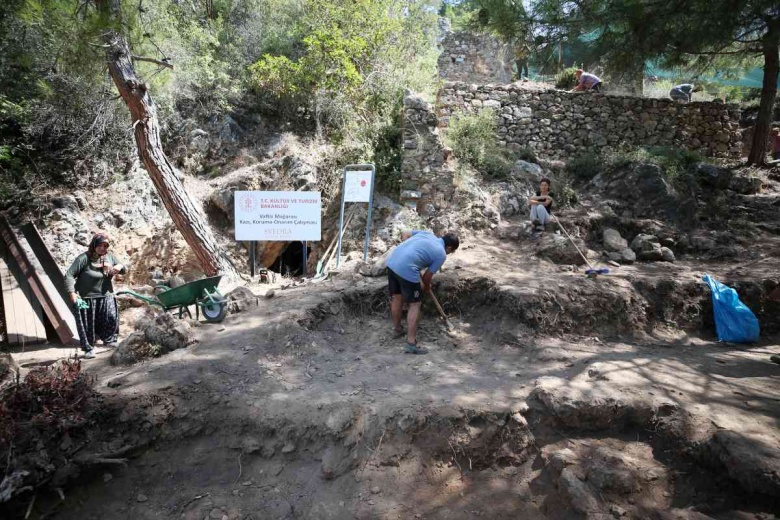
(306, 408)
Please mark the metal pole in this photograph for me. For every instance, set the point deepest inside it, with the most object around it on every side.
(305, 257)
(252, 262)
(368, 219)
(341, 215)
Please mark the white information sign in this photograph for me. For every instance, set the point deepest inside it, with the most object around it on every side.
(278, 215)
(357, 186)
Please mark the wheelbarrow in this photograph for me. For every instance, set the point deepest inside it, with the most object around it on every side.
(203, 294)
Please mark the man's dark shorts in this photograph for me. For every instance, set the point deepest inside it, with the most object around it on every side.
(410, 291)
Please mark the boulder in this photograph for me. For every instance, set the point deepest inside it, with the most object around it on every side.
(579, 494)
(378, 268)
(641, 190)
(301, 174)
(66, 202)
(223, 199)
(159, 334)
(712, 176)
(559, 250)
(667, 255)
(647, 248)
(228, 129)
(613, 241)
(527, 171)
(241, 299)
(8, 368)
(415, 101)
(610, 471)
(628, 256)
(746, 185)
(702, 243)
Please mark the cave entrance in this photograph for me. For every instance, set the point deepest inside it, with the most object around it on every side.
(290, 261)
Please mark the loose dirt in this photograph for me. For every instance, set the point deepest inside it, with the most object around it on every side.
(557, 396)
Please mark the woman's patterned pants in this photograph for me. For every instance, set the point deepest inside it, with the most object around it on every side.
(100, 320)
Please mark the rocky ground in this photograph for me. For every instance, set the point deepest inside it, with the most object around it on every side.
(553, 396)
(556, 396)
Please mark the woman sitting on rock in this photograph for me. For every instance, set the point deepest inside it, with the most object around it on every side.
(541, 205)
(89, 283)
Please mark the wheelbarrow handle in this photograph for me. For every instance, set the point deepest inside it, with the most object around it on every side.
(150, 301)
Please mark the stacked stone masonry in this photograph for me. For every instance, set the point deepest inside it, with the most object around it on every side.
(558, 125)
(474, 58)
(426, 169)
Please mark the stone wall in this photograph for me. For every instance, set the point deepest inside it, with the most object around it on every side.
(557, 124)
(426, 170)
(474, 58)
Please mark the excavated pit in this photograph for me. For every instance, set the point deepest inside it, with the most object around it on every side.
(520, 413)
(434, 463)
(612, 307)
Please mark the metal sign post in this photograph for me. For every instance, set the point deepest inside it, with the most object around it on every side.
(252, 260)
(305, 257)
(357, 185)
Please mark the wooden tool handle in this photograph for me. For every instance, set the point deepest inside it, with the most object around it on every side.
(438, 306)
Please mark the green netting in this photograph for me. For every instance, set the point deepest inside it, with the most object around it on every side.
(752, 78)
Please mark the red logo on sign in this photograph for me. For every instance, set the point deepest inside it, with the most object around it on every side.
(246, 203)
(363, 183)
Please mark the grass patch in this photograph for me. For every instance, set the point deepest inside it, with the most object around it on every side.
(472, 138)
(673, 161)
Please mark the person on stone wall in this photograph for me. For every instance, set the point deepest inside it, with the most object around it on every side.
(89, 283)
(586, 81)
(522, 55)
(418, 250)
(684, 92)
(541, 205)
(775, 137)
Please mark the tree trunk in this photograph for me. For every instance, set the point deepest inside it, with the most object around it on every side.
(186, 217)
(768, 93)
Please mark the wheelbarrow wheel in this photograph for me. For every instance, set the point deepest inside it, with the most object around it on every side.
(215, 312)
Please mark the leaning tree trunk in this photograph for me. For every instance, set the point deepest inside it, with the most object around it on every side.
(768, 93)
(186, 217)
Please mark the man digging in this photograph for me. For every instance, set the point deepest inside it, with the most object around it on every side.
(418, 250)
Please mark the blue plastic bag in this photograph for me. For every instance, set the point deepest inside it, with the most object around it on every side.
(734, 322)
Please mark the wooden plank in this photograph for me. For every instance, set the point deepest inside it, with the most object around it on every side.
(23, 313)
(45, 257)
(9, 286)
(54, 306)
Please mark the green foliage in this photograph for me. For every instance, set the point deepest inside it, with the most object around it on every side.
(388, 156)
(673, 161)
(527, 155)
(472, 136)
(506, 19)
(566, 79)
(473, 140)
(459, 14)
(585, 166)
(565, 194)
(345, 69)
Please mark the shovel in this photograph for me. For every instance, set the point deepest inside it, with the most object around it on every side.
(592, 272)
(447, 323)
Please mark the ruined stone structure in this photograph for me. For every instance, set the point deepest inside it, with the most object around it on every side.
(426, 170)
(474, 58)
(553, 124)
(557, 124)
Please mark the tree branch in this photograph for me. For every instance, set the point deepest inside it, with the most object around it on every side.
(161, 63)
(720, 53)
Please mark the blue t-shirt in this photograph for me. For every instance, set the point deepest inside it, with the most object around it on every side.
(423, 249)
